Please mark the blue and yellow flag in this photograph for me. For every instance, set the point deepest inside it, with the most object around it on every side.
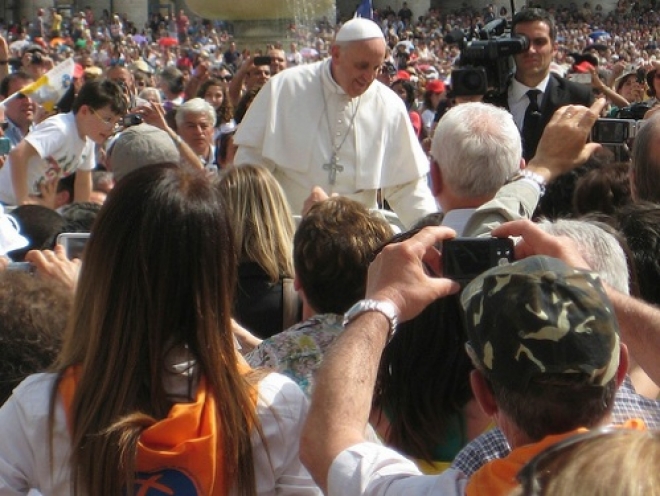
(49, 88)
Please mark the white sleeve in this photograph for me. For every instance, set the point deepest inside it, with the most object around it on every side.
(48, 137)
(282, 408)
(90, 156)
(24, 441)
(411, 201)
(248, 155)
(367, 469)
(16, 462)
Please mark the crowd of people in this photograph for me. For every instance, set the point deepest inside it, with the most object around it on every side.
(263, 306)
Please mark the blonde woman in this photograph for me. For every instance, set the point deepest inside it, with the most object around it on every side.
(263, 237)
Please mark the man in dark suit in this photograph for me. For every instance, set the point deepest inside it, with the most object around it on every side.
(534, 93)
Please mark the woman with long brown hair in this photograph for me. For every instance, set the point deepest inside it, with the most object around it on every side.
(149, 391)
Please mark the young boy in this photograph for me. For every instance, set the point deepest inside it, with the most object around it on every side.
(61, 145)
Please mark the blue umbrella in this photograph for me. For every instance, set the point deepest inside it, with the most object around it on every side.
(598, 34)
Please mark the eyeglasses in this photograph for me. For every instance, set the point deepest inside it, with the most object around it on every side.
(225, 78)
(534, 476)
(109, 122)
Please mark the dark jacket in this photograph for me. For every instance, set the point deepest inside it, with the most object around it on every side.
(558, 93)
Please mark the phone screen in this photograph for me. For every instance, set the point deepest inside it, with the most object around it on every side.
(73, 243)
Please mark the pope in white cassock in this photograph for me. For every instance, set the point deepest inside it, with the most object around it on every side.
(332, 124)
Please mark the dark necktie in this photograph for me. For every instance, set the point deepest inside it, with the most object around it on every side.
(531, 124)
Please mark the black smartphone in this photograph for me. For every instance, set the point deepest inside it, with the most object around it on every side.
(262, 60)
(131, 120)
(463, 259)
(613, 130)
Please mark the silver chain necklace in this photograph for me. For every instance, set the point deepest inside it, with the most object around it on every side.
(333, 165)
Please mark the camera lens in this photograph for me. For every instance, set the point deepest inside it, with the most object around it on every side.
(473, 81)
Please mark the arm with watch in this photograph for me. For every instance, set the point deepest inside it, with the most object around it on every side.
(563, 147)
(398, 288)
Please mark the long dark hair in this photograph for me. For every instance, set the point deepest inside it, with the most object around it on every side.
(159, 273)
(423, 379)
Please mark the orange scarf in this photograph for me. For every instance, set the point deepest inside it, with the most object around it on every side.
(498, 477)
(178, 454)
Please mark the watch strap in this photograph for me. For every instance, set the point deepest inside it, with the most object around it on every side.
(384, 307)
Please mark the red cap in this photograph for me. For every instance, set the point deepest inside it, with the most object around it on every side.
(184, 63)
(405, 75)
(78, 71)
(435, 86)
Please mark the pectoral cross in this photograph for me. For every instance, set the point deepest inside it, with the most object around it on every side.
(333, 167)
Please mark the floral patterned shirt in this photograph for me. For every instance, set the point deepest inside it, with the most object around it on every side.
(298, 351)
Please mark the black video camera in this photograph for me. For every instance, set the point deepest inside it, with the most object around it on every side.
(636, 111)
(485, 64)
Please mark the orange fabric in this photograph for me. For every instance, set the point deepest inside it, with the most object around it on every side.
(180, 453)
(498, 477)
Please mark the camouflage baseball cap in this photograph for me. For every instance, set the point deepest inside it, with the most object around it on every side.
(539, 316)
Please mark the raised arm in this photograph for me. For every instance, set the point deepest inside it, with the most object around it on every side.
(341, 401)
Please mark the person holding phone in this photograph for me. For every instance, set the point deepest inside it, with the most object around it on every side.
(253, 73)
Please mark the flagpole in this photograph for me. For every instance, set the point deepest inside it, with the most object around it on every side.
(9, 98)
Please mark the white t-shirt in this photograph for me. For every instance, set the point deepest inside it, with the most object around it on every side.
(367, 469)
(60, 152)
(24, 453)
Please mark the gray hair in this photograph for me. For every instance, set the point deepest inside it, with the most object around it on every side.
(645, 167)
(477, 147)
(150, 92)
(195, 106)
(600, 249)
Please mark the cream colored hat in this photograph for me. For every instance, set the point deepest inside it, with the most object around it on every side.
(358, 29)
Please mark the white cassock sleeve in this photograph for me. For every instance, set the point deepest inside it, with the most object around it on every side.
(411, 201)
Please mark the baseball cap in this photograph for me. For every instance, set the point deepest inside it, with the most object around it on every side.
(139, 146)
(404, 75)
(142, 66)
(435, 86)
(538, 316)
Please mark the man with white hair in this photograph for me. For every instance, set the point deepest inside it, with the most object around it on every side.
(479, 177)
(195, 123)
(331, 124)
